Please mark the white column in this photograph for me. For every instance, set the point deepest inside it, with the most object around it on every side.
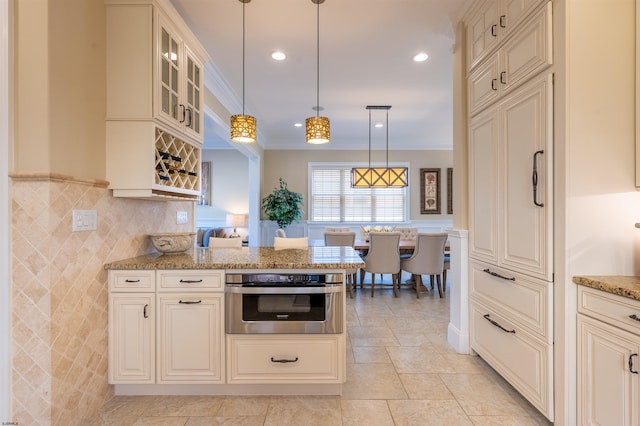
(458, 331)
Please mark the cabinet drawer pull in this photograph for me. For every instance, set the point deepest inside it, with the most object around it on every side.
(495, 274)
(190, 281)
(131, 281)
(284, 361)
(502, 23)
(631, 363)
(498, 325)
(634, 317)
(493, 84)
(189, 302)
(493, 30)
(144, 311)
(503, 77)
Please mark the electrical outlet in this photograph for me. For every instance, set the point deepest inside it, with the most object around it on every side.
(84, 220)
(182, 218)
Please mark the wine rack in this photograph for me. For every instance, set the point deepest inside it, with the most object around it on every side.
(177, 163)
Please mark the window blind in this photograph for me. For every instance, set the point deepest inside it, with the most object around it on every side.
(333, 200)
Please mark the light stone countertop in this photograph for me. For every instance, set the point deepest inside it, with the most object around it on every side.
(625, 286)
(247, 258)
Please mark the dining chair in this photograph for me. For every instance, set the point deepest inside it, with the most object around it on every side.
(427, 259)
(343, 239)
(280, 243)
(217, 242)
(383, 258)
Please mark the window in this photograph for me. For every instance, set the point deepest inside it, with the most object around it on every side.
(331, 198)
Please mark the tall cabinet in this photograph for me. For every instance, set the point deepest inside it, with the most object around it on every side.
(154, 101)
(510, 134)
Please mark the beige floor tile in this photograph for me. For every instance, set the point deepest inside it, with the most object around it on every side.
(184, 406)
(480, 396)
(226, 421)
(307, 411)
(373, 381)
(418, 360)
(235, 406)
(503, 421)
(426, 413)
(425, 386)
(366, 412)
(371, 354)
(372, 336)
(162, 421)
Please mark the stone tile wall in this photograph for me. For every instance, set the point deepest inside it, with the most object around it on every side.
(59, 290)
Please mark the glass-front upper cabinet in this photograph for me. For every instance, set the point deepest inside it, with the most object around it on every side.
(169, 71)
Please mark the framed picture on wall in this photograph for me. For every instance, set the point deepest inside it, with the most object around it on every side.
(430, 191)
(205, 184)
(450, 190)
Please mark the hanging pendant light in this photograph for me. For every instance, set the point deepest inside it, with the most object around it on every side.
(318, 128)
(379, 177)
(243, 127)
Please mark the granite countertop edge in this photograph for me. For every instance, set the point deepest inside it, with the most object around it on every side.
(621, 285)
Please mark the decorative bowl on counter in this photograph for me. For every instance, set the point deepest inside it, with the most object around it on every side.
(173, 242)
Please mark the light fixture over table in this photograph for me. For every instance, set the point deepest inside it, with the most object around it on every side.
(379, 177)
(236, 220)
(318, 128)
(243, 127)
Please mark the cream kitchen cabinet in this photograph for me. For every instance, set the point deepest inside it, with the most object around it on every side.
(273, 359)
(190, 338)
(608, 365)
(131, 327)
(154, 101)
(166, 327)
(510, 167)
(491, 23)
(522, 56)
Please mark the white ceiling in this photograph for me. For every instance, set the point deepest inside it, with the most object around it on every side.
(366, 51)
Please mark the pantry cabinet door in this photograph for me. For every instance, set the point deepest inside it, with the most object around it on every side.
(526, 177)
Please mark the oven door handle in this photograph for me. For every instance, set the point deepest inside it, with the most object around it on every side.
(284, 290)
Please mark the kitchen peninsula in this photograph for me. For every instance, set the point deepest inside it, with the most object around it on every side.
(171, 321)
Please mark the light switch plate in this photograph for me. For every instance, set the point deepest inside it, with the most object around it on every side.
(182, 218)
(84, 220)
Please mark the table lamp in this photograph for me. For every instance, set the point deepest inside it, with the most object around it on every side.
(236, 220)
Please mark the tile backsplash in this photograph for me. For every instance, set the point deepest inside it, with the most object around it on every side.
(59, 290)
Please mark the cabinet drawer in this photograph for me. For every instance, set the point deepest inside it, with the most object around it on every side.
(522, 360)
(610, 308)
(180, 280)
(131, 281)
(522, 300)
(284, 359)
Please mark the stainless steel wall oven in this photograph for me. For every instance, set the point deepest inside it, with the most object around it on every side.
(273, 303)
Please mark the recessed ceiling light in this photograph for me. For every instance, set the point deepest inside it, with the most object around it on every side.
(278, 55)
(379, 125)
(297, 125)
(421, 57)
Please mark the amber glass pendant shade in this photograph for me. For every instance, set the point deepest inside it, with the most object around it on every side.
(318, 130)
(243, 128)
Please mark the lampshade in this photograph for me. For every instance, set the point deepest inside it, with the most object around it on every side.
(318, 131)
(236, 220)
(243, 127)
(318, 128)
(379, 177)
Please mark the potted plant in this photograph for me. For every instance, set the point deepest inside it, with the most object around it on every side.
(283, 206)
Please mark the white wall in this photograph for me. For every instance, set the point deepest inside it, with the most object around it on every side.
(229, 188)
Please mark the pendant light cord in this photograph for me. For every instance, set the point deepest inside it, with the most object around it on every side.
(369, 139)
(318, 61)
(243, 42)
(387, 139)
